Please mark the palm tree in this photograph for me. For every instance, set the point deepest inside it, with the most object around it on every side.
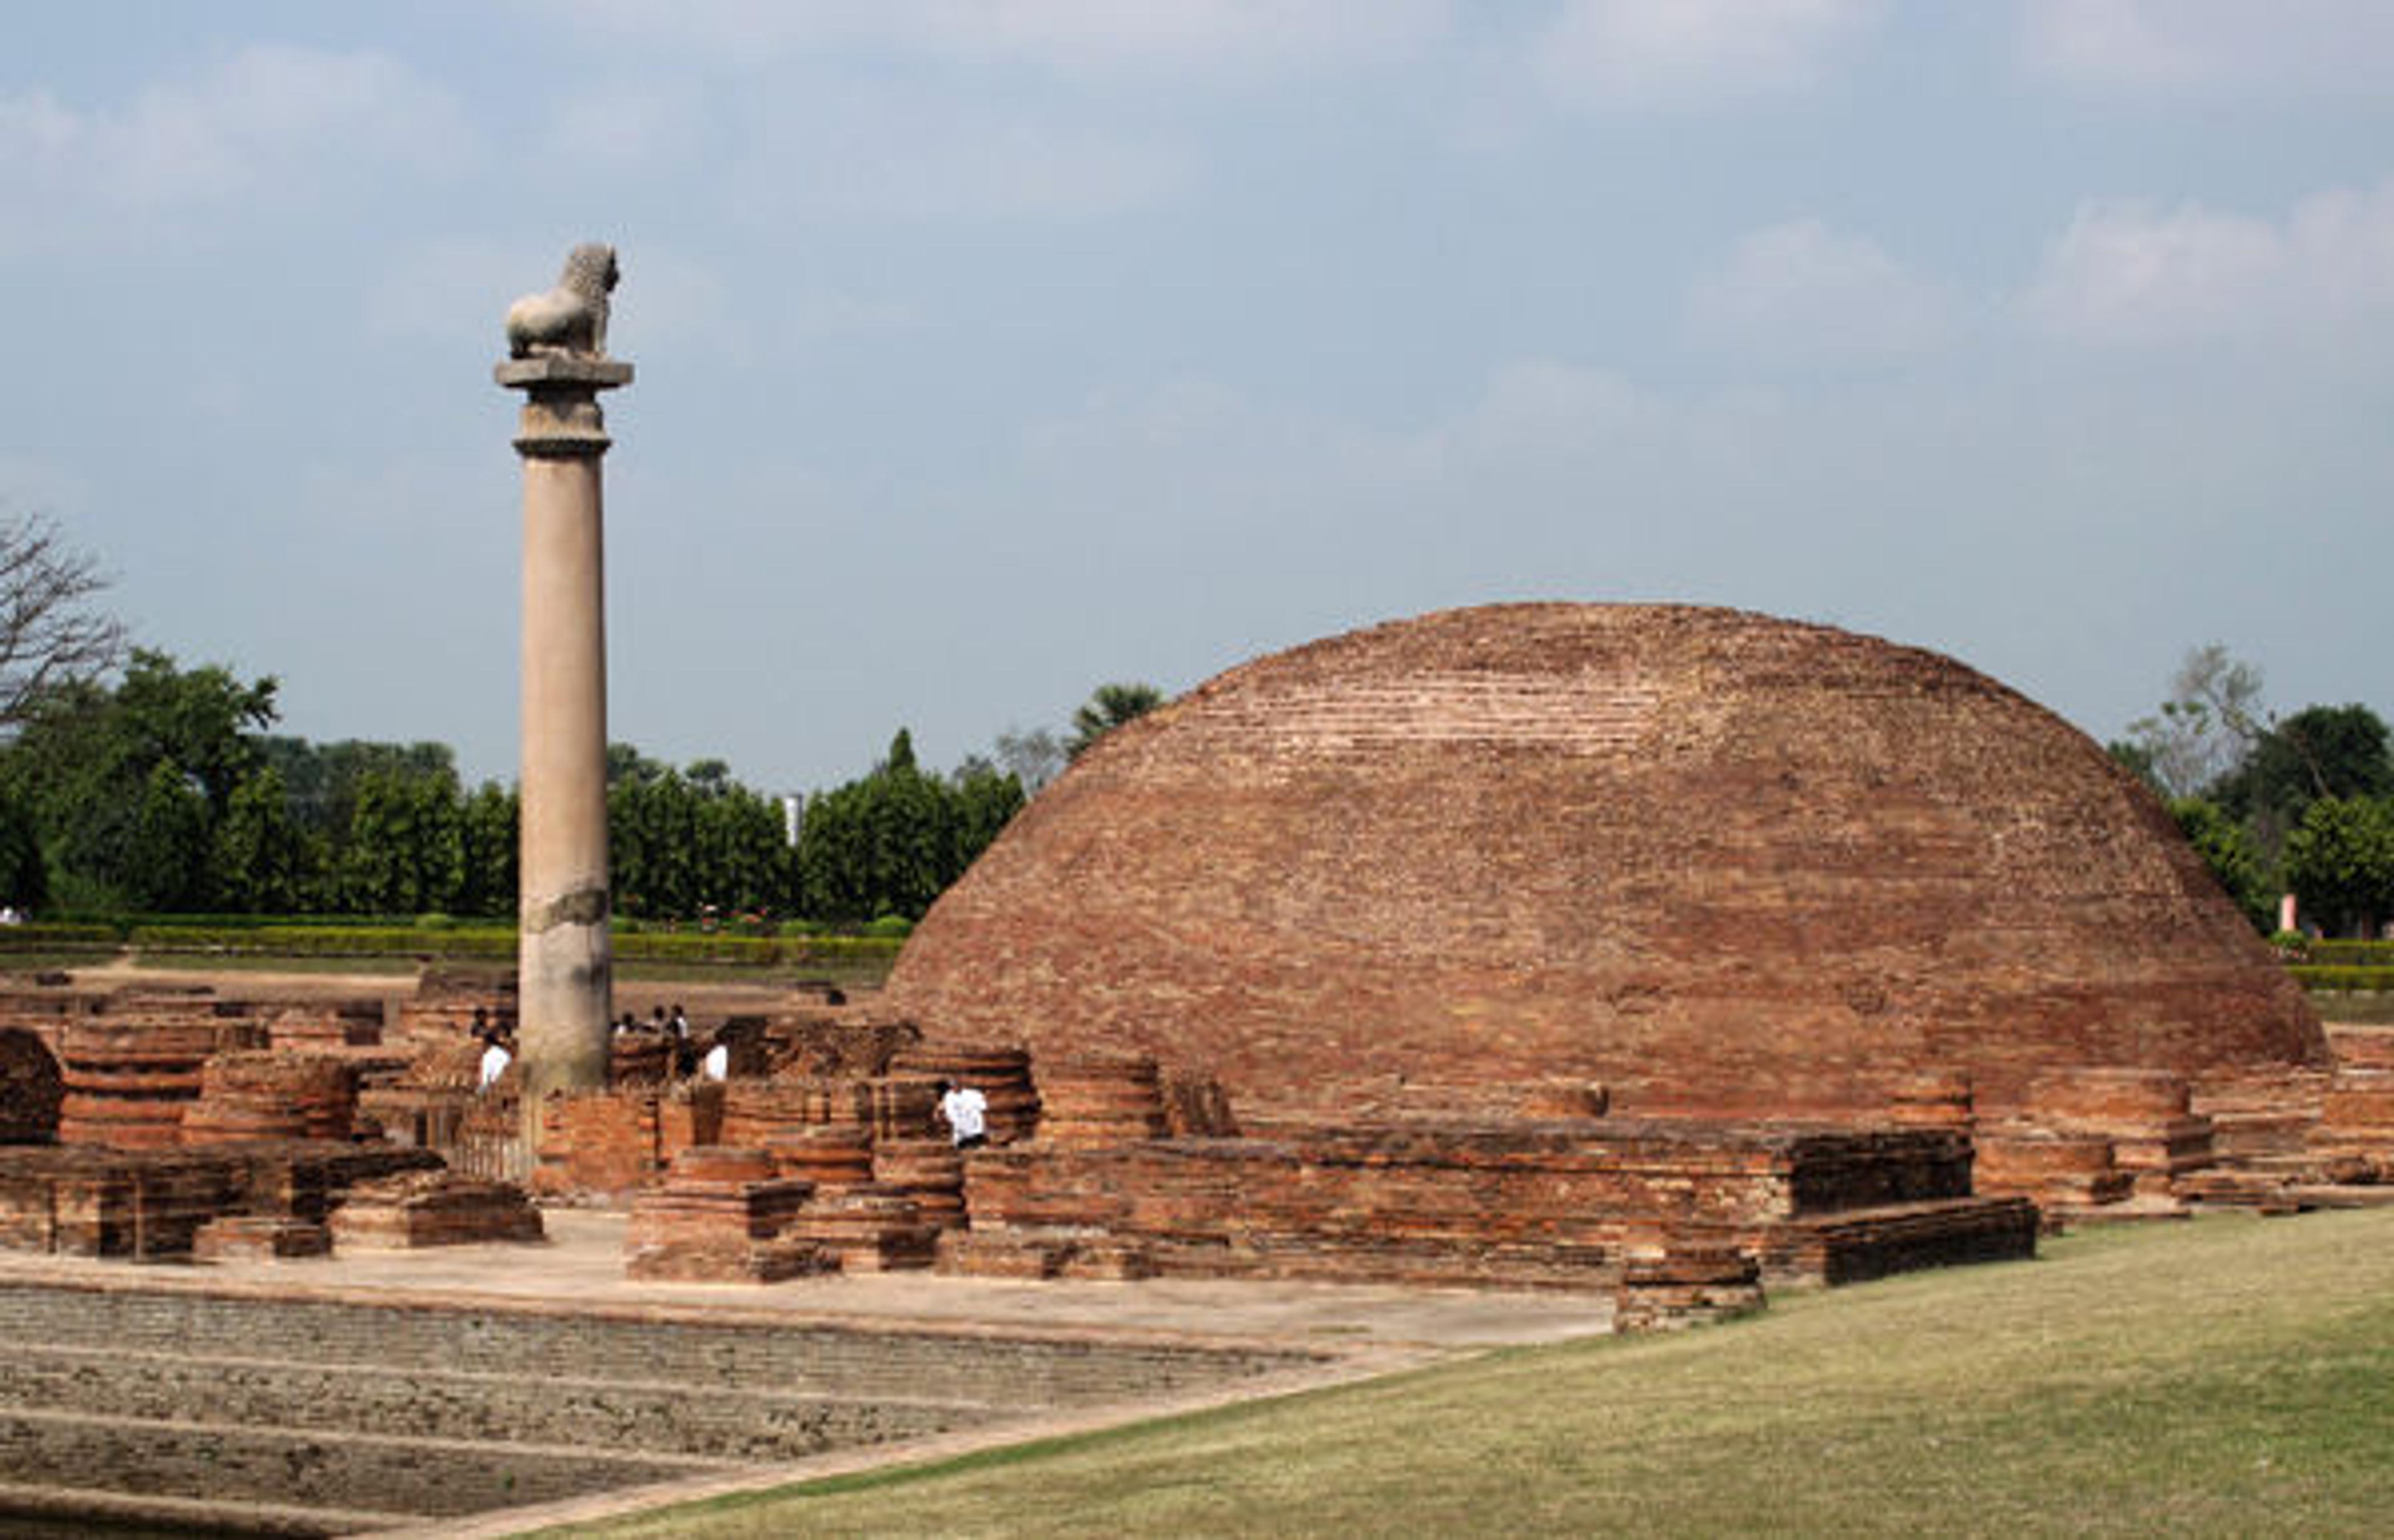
(1108, 708)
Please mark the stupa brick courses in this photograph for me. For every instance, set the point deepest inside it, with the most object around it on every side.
(1540, 943)
(1724, 865)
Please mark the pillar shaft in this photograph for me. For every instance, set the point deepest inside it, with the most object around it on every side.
(564, 960)
(565, 972)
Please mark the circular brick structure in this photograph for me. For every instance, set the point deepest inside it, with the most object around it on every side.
(1722, 863)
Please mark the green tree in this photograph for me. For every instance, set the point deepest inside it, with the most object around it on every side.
(406, 850)
(1108, 708)
(2340, 862)
(490, 832)
(204, 721)
(892, 842)
(627, 763)
(651, 830)
(165, 865)
(2337, 751)
(121, 783)
(679, 841)
(24, 876)
(743, 850)
(986, 799)
(322, 778)
(261, 858)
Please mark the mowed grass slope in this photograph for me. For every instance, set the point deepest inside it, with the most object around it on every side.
(2229, 1376)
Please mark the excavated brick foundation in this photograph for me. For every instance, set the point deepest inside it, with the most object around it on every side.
(306, 1416)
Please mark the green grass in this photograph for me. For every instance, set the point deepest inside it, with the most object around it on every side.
(2358, 1009)
(2230, 1376)
(266, 962)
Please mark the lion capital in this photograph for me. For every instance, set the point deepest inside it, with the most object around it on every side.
(570, 318)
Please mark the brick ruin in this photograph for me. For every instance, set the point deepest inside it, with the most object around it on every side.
(1660, 953)
(156, 1125)
(827, 1156)
(1410, 900)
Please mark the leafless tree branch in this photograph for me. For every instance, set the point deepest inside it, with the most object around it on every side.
(50, 632)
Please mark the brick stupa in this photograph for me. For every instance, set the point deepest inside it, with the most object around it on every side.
(1727, 865)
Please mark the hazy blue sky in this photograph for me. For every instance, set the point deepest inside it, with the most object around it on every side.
(989, 351)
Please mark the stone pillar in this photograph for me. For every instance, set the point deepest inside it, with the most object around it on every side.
(564, 957)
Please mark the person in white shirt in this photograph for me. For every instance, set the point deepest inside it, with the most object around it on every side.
(495, 1060)
(965, 1112)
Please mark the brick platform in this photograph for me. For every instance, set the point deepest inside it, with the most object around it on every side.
(434, 1208)
(1552, 1205)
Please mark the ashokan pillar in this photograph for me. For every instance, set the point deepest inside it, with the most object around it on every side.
(556, 344)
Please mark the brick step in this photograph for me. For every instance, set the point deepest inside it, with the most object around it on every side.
(2336, 1195)
(619, 1415)
(692, 1351)
(1855, 1244)
(2224, 1188)
(314, 1467)
(82, 1510)
(2138, 1210)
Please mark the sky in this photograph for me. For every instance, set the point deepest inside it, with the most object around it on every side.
(988, 352)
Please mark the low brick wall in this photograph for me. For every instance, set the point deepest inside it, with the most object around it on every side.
(335, 1414)
(1525, 1205)
(996, 1371)
(224, 1463)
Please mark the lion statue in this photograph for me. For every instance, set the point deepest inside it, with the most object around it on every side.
(570, 318)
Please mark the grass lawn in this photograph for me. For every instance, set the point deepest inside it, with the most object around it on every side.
(2227, 1376)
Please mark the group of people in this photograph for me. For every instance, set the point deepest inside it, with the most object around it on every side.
(963, 1110)
(714, 1063)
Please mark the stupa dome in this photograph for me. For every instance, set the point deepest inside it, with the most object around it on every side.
(1724, 864)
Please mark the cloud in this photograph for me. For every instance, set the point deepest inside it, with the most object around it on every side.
(1801, 288)
(1007, 169)
(2134, 273)
(913, 155)
(266, 119)
(1537, 407)
(30, 485)
(1189, 41)
(2211, 46)
(1665, 52)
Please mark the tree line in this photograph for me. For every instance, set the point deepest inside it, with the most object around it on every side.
(2300, 804)
(130, 783)
(165, 792)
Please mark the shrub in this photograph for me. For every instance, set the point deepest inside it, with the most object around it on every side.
(2351, 953)
(2358, 980)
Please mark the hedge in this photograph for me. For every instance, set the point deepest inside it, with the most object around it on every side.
(2351, 954)
(483, 942)
(2333, 976)
(328, 940)
(44, 937)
